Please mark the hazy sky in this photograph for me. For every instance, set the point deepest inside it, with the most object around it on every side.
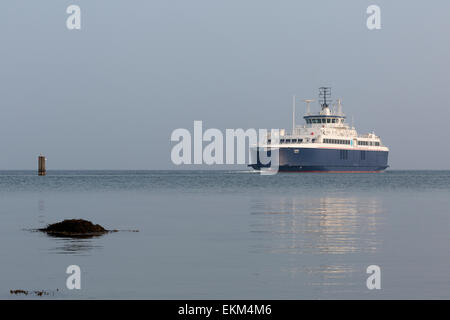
(109, 95)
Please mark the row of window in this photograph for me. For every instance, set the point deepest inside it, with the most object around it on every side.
(326, 120)
(332, 141)
(336, 141)
(368, 143)
(289, 140)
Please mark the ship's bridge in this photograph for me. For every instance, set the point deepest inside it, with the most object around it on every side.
(326, 116)
(323, 119)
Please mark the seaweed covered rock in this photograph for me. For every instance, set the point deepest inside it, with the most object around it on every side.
(74, 227)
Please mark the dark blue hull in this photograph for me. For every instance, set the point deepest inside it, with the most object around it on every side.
(328, 160)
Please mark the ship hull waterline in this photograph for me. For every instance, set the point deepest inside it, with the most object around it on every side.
(326, 160)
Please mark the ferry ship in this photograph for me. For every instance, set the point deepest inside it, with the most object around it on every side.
(325, 143)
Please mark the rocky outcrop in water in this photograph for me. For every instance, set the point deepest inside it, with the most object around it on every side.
(75, 228)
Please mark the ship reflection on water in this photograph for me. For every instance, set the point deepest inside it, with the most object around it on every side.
(328, 225)
(326, 240)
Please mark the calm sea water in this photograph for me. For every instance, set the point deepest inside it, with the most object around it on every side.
(229, 234)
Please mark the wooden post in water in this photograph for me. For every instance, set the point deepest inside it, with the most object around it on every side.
(41, 165)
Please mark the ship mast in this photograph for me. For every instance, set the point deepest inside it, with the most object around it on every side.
(339, 105)
(324, 96)
(293, 114)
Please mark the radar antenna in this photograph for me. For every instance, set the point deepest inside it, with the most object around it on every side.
(308, 101)
(324, 96)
